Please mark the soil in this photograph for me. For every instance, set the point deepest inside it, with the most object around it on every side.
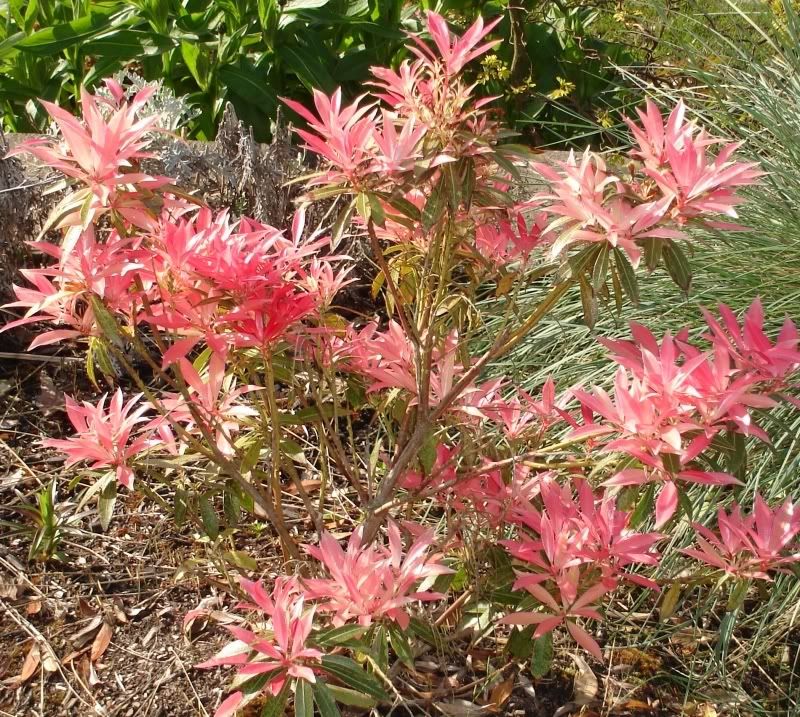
(107, 616)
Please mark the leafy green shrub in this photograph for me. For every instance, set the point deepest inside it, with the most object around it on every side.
(550, 70)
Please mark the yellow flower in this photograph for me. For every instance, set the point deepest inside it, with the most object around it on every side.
(564, 89)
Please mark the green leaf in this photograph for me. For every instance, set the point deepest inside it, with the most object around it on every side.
(406, 208)
(376, 210)
(208, 516)
(196, 62)
(106, 501)
(180, 504)
(401, 645)
(342, 222)
(307, 63)
(51, 40)
(428, 633)
(241, 559)
(542, 656)
(600, 268)
(645, 506)
(677, 265)
(435, 206)
(303, 699)
(427, 452)
(268, 14)
(669, 601)
(324, 699)
(127, 44)
(250, 84)
(672, 462)
(726, 626)
(338, 635)
(231, 504)
(685, 503)
(310, 415)
(652, 252)
(627, 276)
(107, 322)
(351, 698)
(363, 206)
(9, 46)
(275, 706)
(588, 302)
(380, 648)
(520, 644)
(351, 673)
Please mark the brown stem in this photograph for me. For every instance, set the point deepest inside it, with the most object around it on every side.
(375, 514)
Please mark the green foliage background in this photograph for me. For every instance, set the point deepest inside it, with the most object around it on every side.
(549, 70)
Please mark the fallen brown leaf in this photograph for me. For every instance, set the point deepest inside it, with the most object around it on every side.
(501, 692)
(74, 655)
(101, 642)
(33, 607)
(309, 486)
(586, 685)
(29, 667)
(84, 635)
(459, 708)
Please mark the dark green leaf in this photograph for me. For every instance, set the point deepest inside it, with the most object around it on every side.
(520, 643)
(672, 462)
(627, 276)
(352, 674)
(406, 208)
(435, 206)
(55, 38)
(108, 324)
(542, 657)
(303, 699)
(324, 699)
(231, 505)
(685, 503)
(208, 516)
(677, 265)
(127, 44)
(250, 84)
(380, 648)
(257, 683)
(600, 268)
(338, 635)
(652, 253)
(307, 63)
(588, 302)
(645, 506)
(401, 645)
(351, 698)
(180, 506)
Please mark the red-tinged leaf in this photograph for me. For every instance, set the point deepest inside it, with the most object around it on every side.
(586, 641)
